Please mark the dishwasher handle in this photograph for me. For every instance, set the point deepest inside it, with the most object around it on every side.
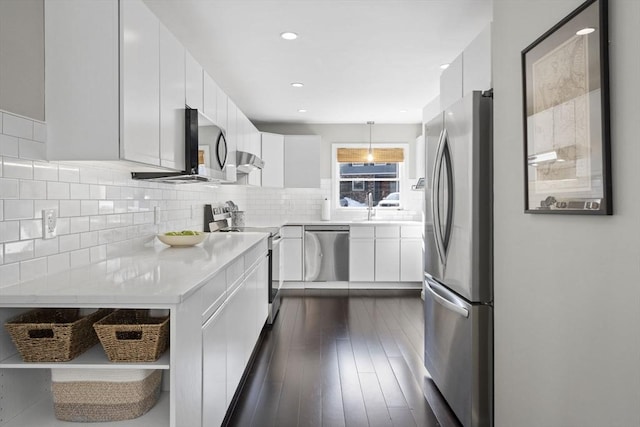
(327, 228)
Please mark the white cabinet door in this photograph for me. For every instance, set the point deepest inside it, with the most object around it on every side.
(214, 369)
(81, 80)
(172, 92)
(210, 94)
(476, 72)
(193, 76)
(387, 260)
(411, 260)
(273, 156)
(232, 139)
(292, 259)
(299, 171)
(262, 295)
(255, 147)
(234, 321)
(361, 260)
(451, 83)
(221, 108)
(140, 83)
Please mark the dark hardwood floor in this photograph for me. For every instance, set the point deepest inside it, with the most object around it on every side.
(343, 358)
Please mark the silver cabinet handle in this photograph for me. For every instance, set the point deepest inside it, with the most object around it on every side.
(446, 303)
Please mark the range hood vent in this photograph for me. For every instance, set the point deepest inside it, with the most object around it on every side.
(248, 162)
(172, 178)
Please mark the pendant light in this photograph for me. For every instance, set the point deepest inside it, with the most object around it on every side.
(370, 153)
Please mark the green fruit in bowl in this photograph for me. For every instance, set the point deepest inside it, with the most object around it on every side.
(182, 233)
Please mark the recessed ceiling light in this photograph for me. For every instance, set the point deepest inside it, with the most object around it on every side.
(444, 66)
(585, 31)
(403, 111)
(288, 35)
(297, 84)
(302, 110)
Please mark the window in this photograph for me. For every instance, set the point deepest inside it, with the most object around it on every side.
(356, 178)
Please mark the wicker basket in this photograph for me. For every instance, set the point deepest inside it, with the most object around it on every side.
(133, 336)
(95, 395)
(52, 334)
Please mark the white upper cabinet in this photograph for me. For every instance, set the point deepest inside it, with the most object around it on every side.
(221, 108)
(301, 161)
(140, 83)
(194, 82)
(82, 80)
(172, 92)
(209, 101)
(451, 83)
(273, 156)
(476, 67)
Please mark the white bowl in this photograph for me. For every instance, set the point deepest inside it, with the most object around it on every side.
(182, 240)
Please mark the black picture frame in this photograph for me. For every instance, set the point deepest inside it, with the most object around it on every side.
(567, 143)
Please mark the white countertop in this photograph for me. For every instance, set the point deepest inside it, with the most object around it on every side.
(158, 274)
(337, 221)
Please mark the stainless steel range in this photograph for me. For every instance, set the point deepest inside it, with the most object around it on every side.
(216, 219)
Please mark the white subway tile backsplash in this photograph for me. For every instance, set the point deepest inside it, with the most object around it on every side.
(79, 191)
(17, 168)
(79, 224)
(9, 146)
(9, 188)
(88, 239)
(18, 251)
(97, 222)
(105, 207)
(32, 268)
(9, 274)
(31, 229)
(39, 205)
(112, 192)
(45, 171)
(68, 243)
(80, 258)
(69, 173)
(39, 132)
(58, 190)
(46, 247)
(18, 209)
(17, 126)
(88, 207)
(69, 208)
(63, 225)
(33, 189)
(9, 231)
(33, 150)
(59, 262)
(98, 253)
(97, 192)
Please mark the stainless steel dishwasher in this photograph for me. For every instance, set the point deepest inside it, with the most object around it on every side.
(326, 253)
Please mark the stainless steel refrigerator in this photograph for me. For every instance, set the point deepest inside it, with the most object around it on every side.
(458, 258)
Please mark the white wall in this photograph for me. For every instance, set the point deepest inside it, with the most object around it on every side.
(331, 133)
(567, 288)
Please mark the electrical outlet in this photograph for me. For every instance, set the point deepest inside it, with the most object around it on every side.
(49, 223)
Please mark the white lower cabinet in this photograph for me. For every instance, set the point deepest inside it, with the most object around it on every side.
(387, 260)
(291, 247)
(411, 260)
(362, 260)
(212, 334)
(214, 379)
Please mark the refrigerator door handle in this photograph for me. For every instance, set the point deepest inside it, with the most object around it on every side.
(435, 199)
(450, 305)
(447, 159)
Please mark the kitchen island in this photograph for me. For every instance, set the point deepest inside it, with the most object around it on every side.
(215, 294)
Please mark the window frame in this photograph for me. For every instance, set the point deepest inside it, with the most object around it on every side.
(335, 175)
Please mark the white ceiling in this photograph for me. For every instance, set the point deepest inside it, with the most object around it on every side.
(360, 60)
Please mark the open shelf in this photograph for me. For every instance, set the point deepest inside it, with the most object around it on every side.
(94, 358)
(42, 415)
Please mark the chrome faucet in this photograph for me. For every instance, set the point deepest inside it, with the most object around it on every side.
(370, 211)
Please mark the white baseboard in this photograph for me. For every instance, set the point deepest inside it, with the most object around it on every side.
(351, 285)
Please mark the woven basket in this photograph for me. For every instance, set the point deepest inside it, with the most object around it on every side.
(133, 336)
(52, 334)
(101, 401)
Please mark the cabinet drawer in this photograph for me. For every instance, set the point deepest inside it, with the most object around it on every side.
(362, 232)
(291, 232)
(255, 253)
(234, 274)
(213, 295)
(388, 231)
(410, 231)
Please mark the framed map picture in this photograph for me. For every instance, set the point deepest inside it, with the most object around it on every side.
(566, 116)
